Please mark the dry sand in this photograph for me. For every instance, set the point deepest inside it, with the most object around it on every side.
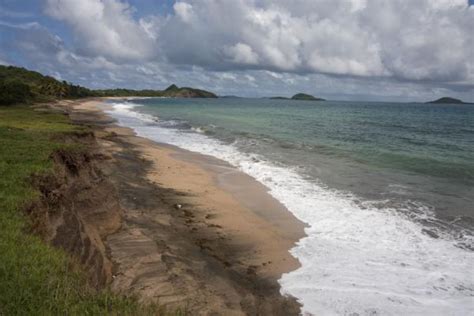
(196, 233)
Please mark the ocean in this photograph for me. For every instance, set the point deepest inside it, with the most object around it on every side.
(386, 189)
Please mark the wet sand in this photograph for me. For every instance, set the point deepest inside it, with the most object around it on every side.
(196, 233)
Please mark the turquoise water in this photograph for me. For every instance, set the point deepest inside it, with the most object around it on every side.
(386, 191)
(366, 148)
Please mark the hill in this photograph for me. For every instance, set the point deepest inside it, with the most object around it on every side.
(19, 85)
(307, 97)
(174, 91)
(447, 100)
(298, 96)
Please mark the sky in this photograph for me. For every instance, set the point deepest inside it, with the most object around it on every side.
(374, 50)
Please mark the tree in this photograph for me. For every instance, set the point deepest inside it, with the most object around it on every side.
(12, 92)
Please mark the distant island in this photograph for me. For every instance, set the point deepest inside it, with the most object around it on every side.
(447, 100)
(229, 97)
(307, 97)
(299, 96)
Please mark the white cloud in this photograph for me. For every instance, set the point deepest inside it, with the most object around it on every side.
(428, 40)
(241, 53)
(424, 39)
(413, 49)
(24, 26)
(106, 28)
(184, 11)
(414, 40)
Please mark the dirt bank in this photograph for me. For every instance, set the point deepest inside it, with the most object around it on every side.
(78, 207)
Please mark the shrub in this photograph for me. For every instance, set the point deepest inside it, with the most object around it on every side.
(12, 92)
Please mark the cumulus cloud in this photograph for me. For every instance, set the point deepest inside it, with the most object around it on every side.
(410, 40)
(184, 11)
(415, 40)
(242, 53)
(106, 28)
(424, 40)
(392, 48)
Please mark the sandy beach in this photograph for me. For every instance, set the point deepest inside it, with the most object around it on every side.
(196, 234)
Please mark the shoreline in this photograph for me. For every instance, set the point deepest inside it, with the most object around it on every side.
(195, 232)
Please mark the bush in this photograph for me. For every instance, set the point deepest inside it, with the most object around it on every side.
(12, 92)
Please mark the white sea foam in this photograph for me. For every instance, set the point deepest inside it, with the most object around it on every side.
(124, 111)
(357, 259)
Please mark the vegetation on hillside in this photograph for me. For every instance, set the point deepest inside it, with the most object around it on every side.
(14, 91)
(186, 92)
(299, 96)
(171, 92)
(447, 100)
(35, 278)
(19, 85)
(307, 97)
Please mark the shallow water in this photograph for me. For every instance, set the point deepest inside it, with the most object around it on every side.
(387, 190)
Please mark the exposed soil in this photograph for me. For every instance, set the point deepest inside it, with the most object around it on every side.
(79, 207)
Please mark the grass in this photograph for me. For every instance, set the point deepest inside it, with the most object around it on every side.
(35, 278)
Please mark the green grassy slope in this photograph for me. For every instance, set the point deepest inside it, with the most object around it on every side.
(36, 279)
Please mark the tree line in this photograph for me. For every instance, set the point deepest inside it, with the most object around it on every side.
(19, 85)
